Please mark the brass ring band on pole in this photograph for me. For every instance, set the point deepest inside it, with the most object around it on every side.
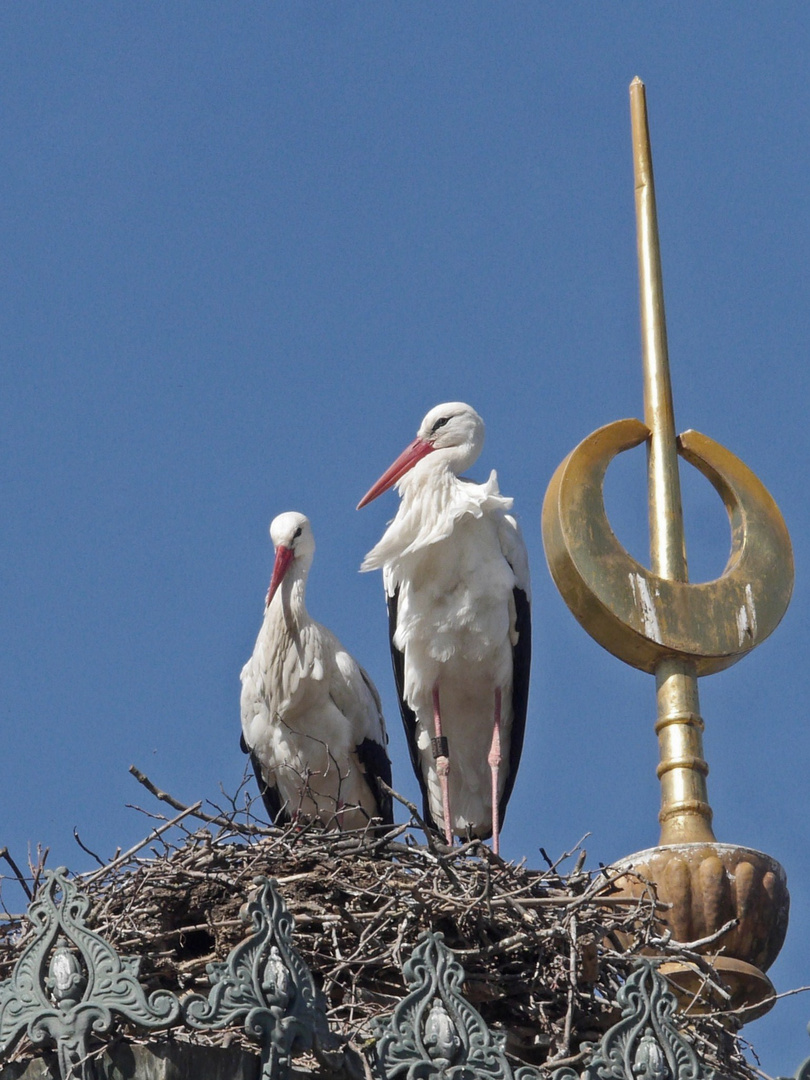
(693, 718)
(690, 761)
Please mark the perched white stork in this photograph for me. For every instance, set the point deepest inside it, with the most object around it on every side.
(456, 578)
(311, 717)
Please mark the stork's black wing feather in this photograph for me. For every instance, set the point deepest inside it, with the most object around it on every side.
(521, 668)
(408, 715)
(374, 759)
(269, 794)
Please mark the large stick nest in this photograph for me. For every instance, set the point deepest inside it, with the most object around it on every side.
(545, 952)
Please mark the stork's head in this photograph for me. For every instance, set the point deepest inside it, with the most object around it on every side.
(292, 538)
(454, 430)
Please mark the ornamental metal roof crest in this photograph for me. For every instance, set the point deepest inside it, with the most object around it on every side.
(69, 982)
(265, 983)
(434, 1033)
(645, 1041)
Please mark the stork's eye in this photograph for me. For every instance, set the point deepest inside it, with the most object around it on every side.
(439, 424)
(297, 533)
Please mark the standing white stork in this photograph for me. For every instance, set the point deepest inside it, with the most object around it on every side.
(456, 578)
(311, 717)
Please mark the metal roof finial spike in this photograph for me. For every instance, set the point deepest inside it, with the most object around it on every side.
(685, 811)
(656, 620)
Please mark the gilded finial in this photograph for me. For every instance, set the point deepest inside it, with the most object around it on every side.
(654, 618)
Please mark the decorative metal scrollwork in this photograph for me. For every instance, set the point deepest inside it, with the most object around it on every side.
(69, 982)
(434, 1032)
(265, 983)
(645, 1042)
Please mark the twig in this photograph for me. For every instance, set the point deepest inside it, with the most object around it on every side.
(565, 855)
(417, 817)
(138, 847)
(211, 819)
(4, 854)
(38, 867)
(572, 984)
(92, 854)
(769, 1001)
(693, 946)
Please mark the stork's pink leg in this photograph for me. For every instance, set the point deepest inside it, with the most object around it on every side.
(494, 760)
(441, 754)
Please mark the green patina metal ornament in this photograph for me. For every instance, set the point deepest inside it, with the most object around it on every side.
(265, 984)
(434, 1033)
(70, 983)
(645, 1041)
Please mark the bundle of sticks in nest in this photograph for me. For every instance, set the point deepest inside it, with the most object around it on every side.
(545, 951)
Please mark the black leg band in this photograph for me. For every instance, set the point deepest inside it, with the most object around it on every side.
(440, 748)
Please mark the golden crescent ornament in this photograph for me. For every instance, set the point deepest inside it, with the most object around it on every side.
(639, 616)
(657, 620)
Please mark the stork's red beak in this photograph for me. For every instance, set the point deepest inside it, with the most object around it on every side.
(284, 556)
(406, 460)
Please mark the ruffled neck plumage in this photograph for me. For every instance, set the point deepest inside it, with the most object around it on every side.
(428, 511)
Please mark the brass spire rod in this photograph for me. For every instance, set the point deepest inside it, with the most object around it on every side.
(655, 620)
(685, 812)
(666, 515)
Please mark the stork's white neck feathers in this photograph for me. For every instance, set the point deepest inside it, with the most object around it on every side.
(432, 501)
(288, 607)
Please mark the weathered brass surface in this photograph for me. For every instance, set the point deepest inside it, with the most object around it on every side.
(658, 621)
(707, 886)
(667, 551)
(685, 811)
(638, 615)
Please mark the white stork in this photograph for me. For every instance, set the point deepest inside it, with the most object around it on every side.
(311, 717)
(456, 578)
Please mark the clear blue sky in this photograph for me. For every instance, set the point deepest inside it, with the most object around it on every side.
(245, 247)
